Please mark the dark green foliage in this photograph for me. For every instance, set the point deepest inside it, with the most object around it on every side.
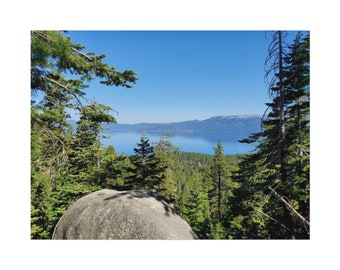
(196, 193)
(220, 188)
(166, 152)
(41, 206)
(84, 155)
(64, 165)
(196, 209)
(148, 169)
(115, 170)
(273, 198)
(218, 171)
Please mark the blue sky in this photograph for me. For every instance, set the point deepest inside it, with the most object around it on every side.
(183, 75)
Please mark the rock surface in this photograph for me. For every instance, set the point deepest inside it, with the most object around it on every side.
(110, 214)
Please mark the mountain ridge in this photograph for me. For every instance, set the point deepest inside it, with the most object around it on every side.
(232, 126)
(236, 116)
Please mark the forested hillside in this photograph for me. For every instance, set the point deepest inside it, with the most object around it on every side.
(259, 195)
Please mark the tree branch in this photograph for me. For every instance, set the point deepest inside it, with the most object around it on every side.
(82, 54)
(290, 207)
(75, 50)
(266, 215)
(66, 88)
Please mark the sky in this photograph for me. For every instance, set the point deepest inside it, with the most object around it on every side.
(182, 75)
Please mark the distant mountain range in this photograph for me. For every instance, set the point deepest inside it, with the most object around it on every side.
(233, 127)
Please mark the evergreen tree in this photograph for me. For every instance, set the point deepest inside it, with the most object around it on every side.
(54, 58)
(218, 170)
(41, 206)
(115, 170)
(196, 209)
(275, 179)
(85, 157)
(219, 183)
(298, 139)
(165, 151)
(220, 187)
(147, 170)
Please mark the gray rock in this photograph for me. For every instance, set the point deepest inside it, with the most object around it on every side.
(110, 214)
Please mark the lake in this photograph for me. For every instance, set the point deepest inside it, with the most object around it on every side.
(124, 142)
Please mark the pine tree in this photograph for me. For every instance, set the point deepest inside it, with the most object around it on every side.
(147, 170)
(165, 151)
(60, 71)
(218, 170)
(298, 142)
(220, 187)
(115, 170)
(196, 209)
(272, 180)
(85, 157)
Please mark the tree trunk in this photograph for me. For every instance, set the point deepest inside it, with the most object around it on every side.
(282, 114)
(219, 196)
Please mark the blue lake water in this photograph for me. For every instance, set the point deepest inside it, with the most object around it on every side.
(124, 142)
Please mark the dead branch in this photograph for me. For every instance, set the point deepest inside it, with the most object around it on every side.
(271, 218)
(290, 207)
